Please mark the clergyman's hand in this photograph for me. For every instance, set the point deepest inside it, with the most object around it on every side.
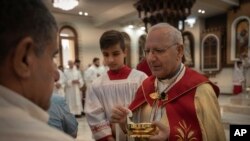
(75, 82)
(110, 138)
(119, 114)
(162, 133)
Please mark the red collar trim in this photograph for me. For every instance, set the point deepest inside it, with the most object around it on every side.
(122, 73)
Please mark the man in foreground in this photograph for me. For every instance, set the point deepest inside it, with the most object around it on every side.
(27, 71)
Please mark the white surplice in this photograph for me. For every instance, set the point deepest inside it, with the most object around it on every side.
(73, 94)
(103, 95)
(92, 73)
(60, 91)
(238, 76)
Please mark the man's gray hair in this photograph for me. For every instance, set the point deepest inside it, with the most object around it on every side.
(25, 18)
(171, 32)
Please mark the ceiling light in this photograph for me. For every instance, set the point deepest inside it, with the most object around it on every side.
(86, 14)
(65, 4)
(131, 26)
(201, 11)
(190, 22)
(80, 13)
(143, 28)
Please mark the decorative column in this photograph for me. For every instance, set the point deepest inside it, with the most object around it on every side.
(170, 11)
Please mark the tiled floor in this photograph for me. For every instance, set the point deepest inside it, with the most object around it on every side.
(84, 132)
(234, 110)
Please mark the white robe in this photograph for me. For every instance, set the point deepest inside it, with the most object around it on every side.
(103, 95)
(238, 76)
(187, 51)
(60, 91)
(72, 91)
(92, 73)
(246, 66)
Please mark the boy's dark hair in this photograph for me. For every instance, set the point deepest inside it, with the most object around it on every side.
(239, 63)
(25, 18)
(77, 61)
(95, 59)
(110, 38)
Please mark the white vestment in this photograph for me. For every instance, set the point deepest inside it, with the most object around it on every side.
(60, 91)
(22, 120)
(187, 51)
(246, 66)
(238, 76)
(73, 94)
(92, 73)
(206, 108)
(103, 95)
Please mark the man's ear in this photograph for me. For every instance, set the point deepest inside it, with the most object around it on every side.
(22, 57)
(180, 51)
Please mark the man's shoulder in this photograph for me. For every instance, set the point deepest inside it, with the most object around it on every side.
(18, 125)
(36, 133)
(67, 71)
(92, 68)
(138, 72)
(192, 74)
(150, 79)
(193, 79)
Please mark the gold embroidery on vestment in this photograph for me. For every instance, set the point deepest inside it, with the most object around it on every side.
(154, 95)
(185, 133)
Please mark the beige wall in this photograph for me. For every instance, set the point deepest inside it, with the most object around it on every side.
(224, 78)
(88, 36)
(88, 42)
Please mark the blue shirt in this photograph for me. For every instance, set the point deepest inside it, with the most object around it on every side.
(60, 117)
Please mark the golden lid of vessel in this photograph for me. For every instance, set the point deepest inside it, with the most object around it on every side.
(141, 130)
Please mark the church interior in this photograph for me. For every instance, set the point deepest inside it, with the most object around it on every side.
(215, 32)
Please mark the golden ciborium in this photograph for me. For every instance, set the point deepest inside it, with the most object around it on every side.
(139, 130)
(146, 129)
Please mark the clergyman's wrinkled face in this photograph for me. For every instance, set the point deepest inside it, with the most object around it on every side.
(161, 53)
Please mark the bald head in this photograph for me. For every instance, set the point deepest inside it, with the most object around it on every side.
(164, 50)
(170, 32)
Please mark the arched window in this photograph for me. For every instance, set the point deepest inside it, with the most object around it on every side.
(210, 54)
(128, 47)
(240, 37)
(68, 49)
(141, 42)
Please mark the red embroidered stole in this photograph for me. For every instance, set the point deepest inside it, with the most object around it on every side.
(180, 106)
